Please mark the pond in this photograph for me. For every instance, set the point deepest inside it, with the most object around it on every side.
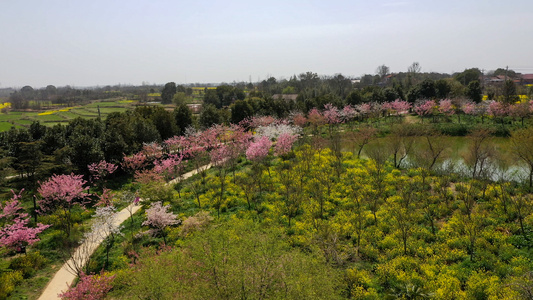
(503, 166)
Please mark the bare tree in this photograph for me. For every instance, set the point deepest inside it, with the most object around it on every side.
(382, 71)
(431, 151)
(479, 153)
(414, 68)
(522, 147)
(401, 143)
(361, 138)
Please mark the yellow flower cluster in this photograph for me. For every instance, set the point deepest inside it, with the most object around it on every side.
(4, 105)
(50, 112)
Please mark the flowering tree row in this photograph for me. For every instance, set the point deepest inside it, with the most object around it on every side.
(488, 108)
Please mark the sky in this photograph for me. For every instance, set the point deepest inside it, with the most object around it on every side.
(98, 43)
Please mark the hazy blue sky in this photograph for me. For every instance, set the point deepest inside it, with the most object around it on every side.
(93, 42)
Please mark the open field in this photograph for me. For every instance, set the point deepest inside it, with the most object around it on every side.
(60, 114)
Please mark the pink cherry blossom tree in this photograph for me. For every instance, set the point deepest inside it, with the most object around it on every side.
(332, 114)
(284, 143)
(152, 151)
(15, 233)
(299, 119)
(258, 150)
(135, 162)
(469, 108)
(446, 107)
(426, 108)
(62, 193)
(401, 106)
(520, 111)
(348, 113)
(237, 142)
(498, 110)
(106, 198)
(169, 167)
(316, 119)
(158, 218)
(90, 287)
(99, 171)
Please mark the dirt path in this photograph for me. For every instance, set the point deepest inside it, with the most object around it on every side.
(65, 277)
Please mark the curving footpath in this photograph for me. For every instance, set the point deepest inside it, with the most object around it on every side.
(65, 277)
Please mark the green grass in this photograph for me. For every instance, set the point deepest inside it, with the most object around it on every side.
(89, 111)
(67, 115)
(23, 122)
(5, 126)
(84, 112)
(10, 116)
(49, 118)
(106, 104)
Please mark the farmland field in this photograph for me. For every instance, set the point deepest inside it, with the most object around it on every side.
(62, 114)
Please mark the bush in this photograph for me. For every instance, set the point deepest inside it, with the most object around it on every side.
(8, 281)
(28, 264)
(452, 129)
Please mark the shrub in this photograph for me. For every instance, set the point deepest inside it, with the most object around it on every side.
(28, 264)
(8, 281)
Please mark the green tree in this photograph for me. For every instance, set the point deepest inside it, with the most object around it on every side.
(164, 122)
(241, 110)
(427, 89)
(468, 76)
(354, 98)
(179, 98)
(474, 91)
(183, 117)
(211, 98)
(209, 116)
(509, 92)
(168, 92)
(442, 88)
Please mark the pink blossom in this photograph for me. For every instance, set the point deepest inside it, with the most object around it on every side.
(348, 113)
(62, 191)
(152, 151)
(497, 109)
(169, 167)
(299, 119)
(158, 218)
(146, 177)
(315, 117)
(331, 114)
(400, 106)
(425, 108)
(365, 108)
(106, 198)
(90, 287)
(15, 234)
(18, 234)
(519, 110)
(469, 108)
(258, 150)
(135, 162)
(220, 154)
(446, 107)
(101, 170)
(12, 208)
(284, 143)
(262, 121)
